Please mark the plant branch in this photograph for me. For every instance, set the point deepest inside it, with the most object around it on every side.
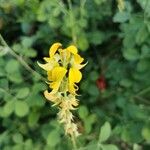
(74, 142)
(20, 59)
(72, 21)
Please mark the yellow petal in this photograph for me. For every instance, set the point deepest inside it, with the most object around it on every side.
(78, 66)
(47, 59)
(58, 73)
(54, 48)
(49, 75)
(71, 88)
(74, 75)
(65, 55)
(49, 96)
(56, 76)
(78, 59)
(47, 66)
(72, 49)
(55, 86)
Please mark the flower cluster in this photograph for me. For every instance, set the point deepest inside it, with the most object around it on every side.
(63, 73)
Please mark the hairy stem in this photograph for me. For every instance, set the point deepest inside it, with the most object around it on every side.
(74, 142)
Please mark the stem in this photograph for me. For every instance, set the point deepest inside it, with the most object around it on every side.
(146, 101)
(74, 142)
(20, 59)
(74, 38)
(144, 91)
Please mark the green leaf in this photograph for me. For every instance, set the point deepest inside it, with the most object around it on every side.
(15, 77)
(33, 118)
(17, 147)
(27, 42)
(105, 132)
(90, 146)
(94, 75)
(126, 83)
(12, 66)
(83, 112)
(35, 99)
(143, 65)
(88, 122)
(146, 134)
(3, 83)
(93, 90)
(121, 17)
(23, 92)
(83, 43)
(142, 35)
(9, 107)
(17, 138)
(21, 108)
(96, 37)
(53, 138)
(131, 54)
(145, 4)
(109, 147)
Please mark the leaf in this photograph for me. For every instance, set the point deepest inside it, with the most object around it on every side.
(33, 118)
(145, 4)
(27, 41)
(83, 112)
(146, 134)
(143, 65)
(15, 77)
(131, 54)
(121, 17)
(105, 132)
(53, 138)
(96, 37)
(109, 147)
(3, 83)
(17, 138)
(126, 83)
(94, 75)
(21, 108)
(23, 92)
(93, 90)
(83, 43)
(88, 122)
(142, 35)
(12, 66)
(9, 107)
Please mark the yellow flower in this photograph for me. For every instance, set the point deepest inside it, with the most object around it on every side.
(63, 73)
(61, 61)
(53, 97)
(54, 48)
(121, 5)
(49, 65)
(55, 77)
(52, 61)
(74, 77)
(72, 49)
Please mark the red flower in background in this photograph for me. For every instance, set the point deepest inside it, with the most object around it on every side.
(101, 83)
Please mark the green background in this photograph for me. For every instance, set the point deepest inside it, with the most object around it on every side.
(116, 45)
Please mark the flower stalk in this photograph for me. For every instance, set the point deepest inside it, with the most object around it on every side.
(63, 73)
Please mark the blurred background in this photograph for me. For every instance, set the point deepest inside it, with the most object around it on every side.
(113, 36)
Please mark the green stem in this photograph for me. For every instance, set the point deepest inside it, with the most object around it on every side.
(20, 59)
(72, 21)
(74, 142)
(144, 91)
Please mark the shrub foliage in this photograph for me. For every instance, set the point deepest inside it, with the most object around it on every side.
(114, 107)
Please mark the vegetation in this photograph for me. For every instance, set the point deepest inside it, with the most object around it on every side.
(114, 108)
